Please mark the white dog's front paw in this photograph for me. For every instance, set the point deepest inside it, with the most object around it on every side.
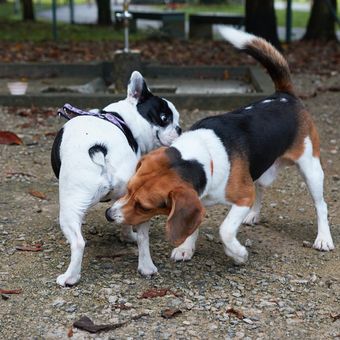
(239, 254)
(324, 243)
(67, 280)
(182, 254)
(147, 270)
(252, 218)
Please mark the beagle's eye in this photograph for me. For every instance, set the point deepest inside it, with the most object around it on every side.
(141, 207)
(162, 205)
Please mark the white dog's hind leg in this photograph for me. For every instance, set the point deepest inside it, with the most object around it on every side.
(228, 232)
(70, 223)
(312, 172)
(186, 250)
(145, 264)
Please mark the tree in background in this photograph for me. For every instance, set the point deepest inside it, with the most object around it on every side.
(104, 12)
(261, 20)
(27, 10)
(321, 23)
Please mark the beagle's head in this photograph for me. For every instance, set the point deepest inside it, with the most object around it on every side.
(157, 189)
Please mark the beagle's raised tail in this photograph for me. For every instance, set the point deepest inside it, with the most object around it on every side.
(263, 52)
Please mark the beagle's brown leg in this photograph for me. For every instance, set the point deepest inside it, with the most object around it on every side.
(240, 191)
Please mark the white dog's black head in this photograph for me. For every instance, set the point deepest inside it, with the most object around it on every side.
(159, 113)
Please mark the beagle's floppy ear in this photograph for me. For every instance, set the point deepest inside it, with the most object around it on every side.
(185, 216)
(137, 87)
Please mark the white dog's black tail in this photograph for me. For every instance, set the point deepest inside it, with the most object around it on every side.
(97, 153)
(265, 53)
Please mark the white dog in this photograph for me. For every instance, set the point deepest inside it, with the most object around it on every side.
(94, 159)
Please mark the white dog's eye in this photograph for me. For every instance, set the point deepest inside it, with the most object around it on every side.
(164, 118)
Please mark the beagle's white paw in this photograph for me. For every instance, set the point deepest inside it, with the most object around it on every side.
(238, 253)
(182, 254)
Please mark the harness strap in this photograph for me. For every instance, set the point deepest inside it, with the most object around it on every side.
(68, 111)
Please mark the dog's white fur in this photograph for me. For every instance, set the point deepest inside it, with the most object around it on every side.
(83, 181)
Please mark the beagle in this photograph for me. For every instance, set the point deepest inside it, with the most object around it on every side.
(94, 158)
(227, 159)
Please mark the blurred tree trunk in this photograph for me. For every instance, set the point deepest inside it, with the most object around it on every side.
(27, 10)
(321, 23)
(104, 12)
(261, 20)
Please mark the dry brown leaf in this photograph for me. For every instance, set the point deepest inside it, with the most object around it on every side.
(170, 313)
(157, 292)
(70, 332)
(35, 248)
(38, 194)
(235, 312)
(9, 138)
(10, 291)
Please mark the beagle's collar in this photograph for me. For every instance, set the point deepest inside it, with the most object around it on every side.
(68, 111)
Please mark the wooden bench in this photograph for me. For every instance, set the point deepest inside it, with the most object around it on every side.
(201, 24)
(173, 22)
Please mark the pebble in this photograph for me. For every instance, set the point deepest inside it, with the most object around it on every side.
(248, 243)
(71, 309)
(113, 299)
(57, 303)
(93, 230)
(248, 321)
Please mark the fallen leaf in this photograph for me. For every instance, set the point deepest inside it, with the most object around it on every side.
(70, 332)
(235, 312)
(9, 138)
(170, 313)
(35, 248)
(10, 291)
(335, 316)
(86, 324)
(154, 292)
(37, 194)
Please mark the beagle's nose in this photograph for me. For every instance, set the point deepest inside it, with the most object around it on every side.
(107, 215)
(178, 130)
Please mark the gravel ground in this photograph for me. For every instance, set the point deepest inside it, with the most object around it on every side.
(286, 290)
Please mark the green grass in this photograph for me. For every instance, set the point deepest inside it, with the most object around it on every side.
(13, 29)
(42, 31)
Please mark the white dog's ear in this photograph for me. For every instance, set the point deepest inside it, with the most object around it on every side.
(137, 87)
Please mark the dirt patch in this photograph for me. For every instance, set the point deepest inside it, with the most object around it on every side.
(285, 290)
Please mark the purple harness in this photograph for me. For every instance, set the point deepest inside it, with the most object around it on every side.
(68, 111)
